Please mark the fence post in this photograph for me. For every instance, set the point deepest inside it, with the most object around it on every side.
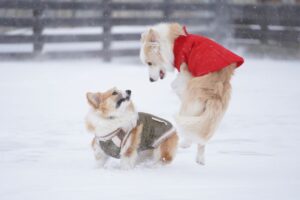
(264, 23)
(222, 21)
(167, 10)
(37, 28)
(106, 31)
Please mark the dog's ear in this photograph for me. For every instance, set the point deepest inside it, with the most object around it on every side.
(153, 36)
(143, 36)
(176, 30)
(93, 99)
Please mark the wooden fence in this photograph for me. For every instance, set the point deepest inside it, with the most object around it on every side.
(262, 24)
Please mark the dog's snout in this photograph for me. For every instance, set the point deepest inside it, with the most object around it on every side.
(151, 80)
(128, 92)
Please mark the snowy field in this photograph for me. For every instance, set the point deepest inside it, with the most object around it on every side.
(45, 150)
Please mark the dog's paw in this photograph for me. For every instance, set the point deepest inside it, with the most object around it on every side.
(127, 163)
(100, 163)
(200, 160)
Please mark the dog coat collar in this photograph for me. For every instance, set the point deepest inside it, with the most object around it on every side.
(202, 55)
(155, 131)
(110, 135)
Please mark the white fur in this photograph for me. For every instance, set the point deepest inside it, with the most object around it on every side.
(154, 72)
(186, 143)
(190, 136)
(128, 162)
(166, 51)
(180, 83)
(166, 47)
(142, 54)
(100, 156)
(200, 159)
(156, 155)
(194, 108)
(104, 126)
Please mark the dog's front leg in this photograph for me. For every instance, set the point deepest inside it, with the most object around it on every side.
(129, 150)
(179, 85)
(200, 159)
(100, 156)
(128, 161)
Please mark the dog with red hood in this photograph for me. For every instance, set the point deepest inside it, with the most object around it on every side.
(205, 69)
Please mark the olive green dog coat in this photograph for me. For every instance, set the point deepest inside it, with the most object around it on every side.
(155, 131)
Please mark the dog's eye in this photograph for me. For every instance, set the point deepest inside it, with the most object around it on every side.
(114, 93)
(149, 63)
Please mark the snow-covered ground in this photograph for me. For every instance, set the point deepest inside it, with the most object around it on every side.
(45, 150)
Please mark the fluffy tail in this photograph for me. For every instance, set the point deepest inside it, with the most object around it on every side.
(204, 124)
(215, 105)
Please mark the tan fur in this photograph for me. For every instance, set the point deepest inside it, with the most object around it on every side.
(89, 127)
(150, 49)
(135, 140)
(93, 143)
(175, 31)
(204, 100)
(131, 107)
(213, 92)
(150, 52)
(101, 103)
(168, 148)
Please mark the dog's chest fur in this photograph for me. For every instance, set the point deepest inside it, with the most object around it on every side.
(104, 126)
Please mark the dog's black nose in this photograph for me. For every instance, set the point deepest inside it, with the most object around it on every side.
(151, 80)
(128, 92)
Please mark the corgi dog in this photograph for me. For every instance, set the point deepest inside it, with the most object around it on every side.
(203, 84)
(122, 132)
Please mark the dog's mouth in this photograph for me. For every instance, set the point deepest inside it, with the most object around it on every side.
(122, 100)
(162, 74)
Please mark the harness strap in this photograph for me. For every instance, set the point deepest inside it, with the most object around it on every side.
(164, 137)
(185, 31)
(158, 120)
(125, 138)
(109, 136)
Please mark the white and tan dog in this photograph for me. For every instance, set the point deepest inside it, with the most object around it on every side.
(122, 132)
(204, 98)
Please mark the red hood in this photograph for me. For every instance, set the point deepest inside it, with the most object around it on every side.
(202, 55)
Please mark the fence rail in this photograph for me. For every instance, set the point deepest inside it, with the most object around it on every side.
(265, 23)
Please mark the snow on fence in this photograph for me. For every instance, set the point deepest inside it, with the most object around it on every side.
(258, 23)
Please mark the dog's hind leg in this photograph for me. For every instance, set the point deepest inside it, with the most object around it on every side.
(200, 154)
(168, 149)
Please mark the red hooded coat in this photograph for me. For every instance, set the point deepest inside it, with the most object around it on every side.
(202, 55)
